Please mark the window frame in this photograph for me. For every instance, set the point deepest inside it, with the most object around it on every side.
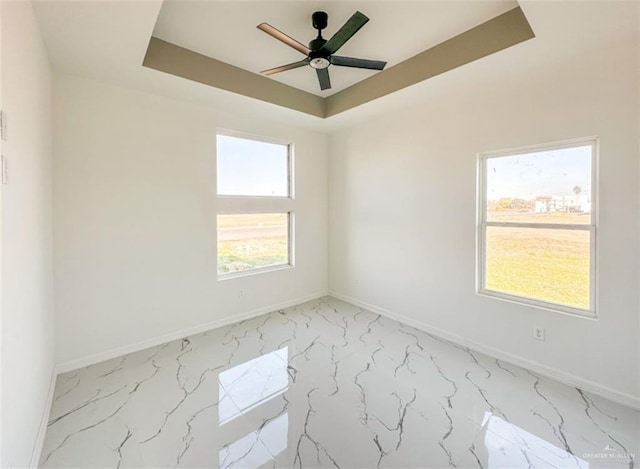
(482, 225)
(258, 204)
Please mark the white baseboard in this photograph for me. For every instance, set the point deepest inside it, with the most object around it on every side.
(159, 340)
(553, 373)
(44, 421)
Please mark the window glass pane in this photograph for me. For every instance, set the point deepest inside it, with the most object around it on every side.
(550, 265)
(251, 167)
(252, 240)
(550, 186)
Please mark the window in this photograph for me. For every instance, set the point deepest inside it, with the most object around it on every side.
(251, 167)
(537, 226)
(255, 216)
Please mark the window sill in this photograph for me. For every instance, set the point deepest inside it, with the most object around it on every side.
(261, 270)
(555, 308)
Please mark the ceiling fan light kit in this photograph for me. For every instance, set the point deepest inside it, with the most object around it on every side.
(319, 63)
(320, 51)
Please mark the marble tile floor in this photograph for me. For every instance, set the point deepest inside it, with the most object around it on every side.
(327, 384)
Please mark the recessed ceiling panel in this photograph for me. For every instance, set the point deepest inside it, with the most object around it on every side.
(494, 35)
(396, 31)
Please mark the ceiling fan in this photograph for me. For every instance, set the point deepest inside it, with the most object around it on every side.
(320, 51)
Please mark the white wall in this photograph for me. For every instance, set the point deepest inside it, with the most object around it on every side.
(27, 296)
(135, 218)
(402, 209)
(1, 348)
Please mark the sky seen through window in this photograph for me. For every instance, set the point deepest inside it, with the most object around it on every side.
(252, 167)
(543, 173)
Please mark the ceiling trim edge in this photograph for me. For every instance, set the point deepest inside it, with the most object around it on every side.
(170, 58)
(499, 33)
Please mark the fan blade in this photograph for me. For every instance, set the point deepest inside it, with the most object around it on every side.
(323, 78)
(352, 26)
(280, 36)
(357, 63)
(284, 68)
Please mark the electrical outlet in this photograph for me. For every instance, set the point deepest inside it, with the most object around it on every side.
(538, 333)
(240, 293)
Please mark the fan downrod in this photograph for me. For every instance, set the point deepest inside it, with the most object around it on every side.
(319, 20)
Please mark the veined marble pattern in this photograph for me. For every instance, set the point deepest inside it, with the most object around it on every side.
(327, 384)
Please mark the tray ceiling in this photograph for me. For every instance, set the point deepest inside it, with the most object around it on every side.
(397, 30)
(495, 34)
(107, 41)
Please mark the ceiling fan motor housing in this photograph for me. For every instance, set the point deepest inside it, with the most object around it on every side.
(317, 44)
(319, 58)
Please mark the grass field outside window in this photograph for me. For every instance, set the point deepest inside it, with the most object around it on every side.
(252, 241)
(254, 184)
(537, 222)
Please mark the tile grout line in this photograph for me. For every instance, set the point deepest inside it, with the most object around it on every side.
(557, 375)
(71, 365)
(613, 395)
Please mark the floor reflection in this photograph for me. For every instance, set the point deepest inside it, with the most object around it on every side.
(249, 385)
(501, 444)
(254, 382)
